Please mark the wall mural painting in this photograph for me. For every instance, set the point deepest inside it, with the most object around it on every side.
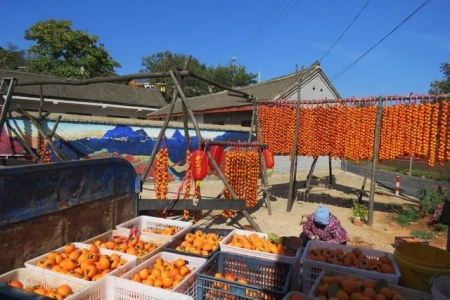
(133, 143)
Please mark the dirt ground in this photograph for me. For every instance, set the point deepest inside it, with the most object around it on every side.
(381, 235)
(275, 217)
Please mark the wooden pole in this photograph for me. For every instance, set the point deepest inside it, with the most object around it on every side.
(293, 170)
(20, 137)
(363, 184)
(262, 161)
(163, 131)
(330, 169)
(59, 154)
(376, 146)
(159, 138)
(176, 79)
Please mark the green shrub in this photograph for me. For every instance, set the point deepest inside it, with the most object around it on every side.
(424, 235)
(429, 200)
(439, 227)
(406, 217)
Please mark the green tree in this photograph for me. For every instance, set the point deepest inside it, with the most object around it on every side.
(443, 86)
(159, 63)
(12, 58)
(62, 51)
(231, 76)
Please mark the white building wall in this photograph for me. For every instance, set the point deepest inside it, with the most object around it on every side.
(283, 164)
(314, 89)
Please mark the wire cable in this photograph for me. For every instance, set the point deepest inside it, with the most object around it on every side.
(346, 29)
(278, 12)
(379, 42)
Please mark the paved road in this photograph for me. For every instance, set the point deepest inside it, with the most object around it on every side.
(409, 185)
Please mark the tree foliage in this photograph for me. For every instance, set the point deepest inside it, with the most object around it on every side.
(232, 76)
(62, 51)
(443, 86)
(12, 58)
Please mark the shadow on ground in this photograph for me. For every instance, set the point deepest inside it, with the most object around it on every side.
(302, 195)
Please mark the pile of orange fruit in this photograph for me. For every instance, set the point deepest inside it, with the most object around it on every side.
(348, 286)
(134, 246)
(199, 243)
(84, 263)
(167, 230)
(261, 244)
(222, 290)
(60, 292)
(352, 259)
(163, 273)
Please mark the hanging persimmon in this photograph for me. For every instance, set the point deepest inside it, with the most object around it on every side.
(268, 158)
(199, 165)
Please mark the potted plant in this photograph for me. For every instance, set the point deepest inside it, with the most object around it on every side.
(360, 213)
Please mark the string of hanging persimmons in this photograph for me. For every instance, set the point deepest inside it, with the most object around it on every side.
(410, 126)
(240, 165)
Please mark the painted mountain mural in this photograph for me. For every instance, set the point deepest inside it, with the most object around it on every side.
(9, 145)
(136, 146)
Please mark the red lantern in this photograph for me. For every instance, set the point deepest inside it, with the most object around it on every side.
(216, 153)
(199, 164)
(268, 158)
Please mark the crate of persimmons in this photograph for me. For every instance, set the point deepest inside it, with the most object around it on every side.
(83, 263)
(170, 271)
(125, 241)
(21, 282)
(374, 264)
(232, 276)
(112, 287)
(332, 284)
(200, 242)
(162, 228)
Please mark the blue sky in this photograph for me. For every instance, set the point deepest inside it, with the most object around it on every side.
(267, 37)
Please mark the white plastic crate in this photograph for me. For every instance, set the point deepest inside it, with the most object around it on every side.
(108, 236)
(293, 260)
(405, 292)
(116, 288)
(312, 269)
(147, 223)
(33, 278)
(187, 286)
(296, 294)
(130, 263)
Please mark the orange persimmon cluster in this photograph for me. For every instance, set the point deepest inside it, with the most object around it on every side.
(162, 174)
(242, 173)
(161, 178)
(347, 131)
(187, 182)
(416, 130)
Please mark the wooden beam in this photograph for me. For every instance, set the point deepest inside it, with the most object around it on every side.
(188, 204)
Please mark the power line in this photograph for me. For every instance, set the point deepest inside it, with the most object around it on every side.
(351, 23)
(278, 12)
(379, 42)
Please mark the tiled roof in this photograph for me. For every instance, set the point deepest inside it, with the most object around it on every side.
(272, 89)
(108, 93)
